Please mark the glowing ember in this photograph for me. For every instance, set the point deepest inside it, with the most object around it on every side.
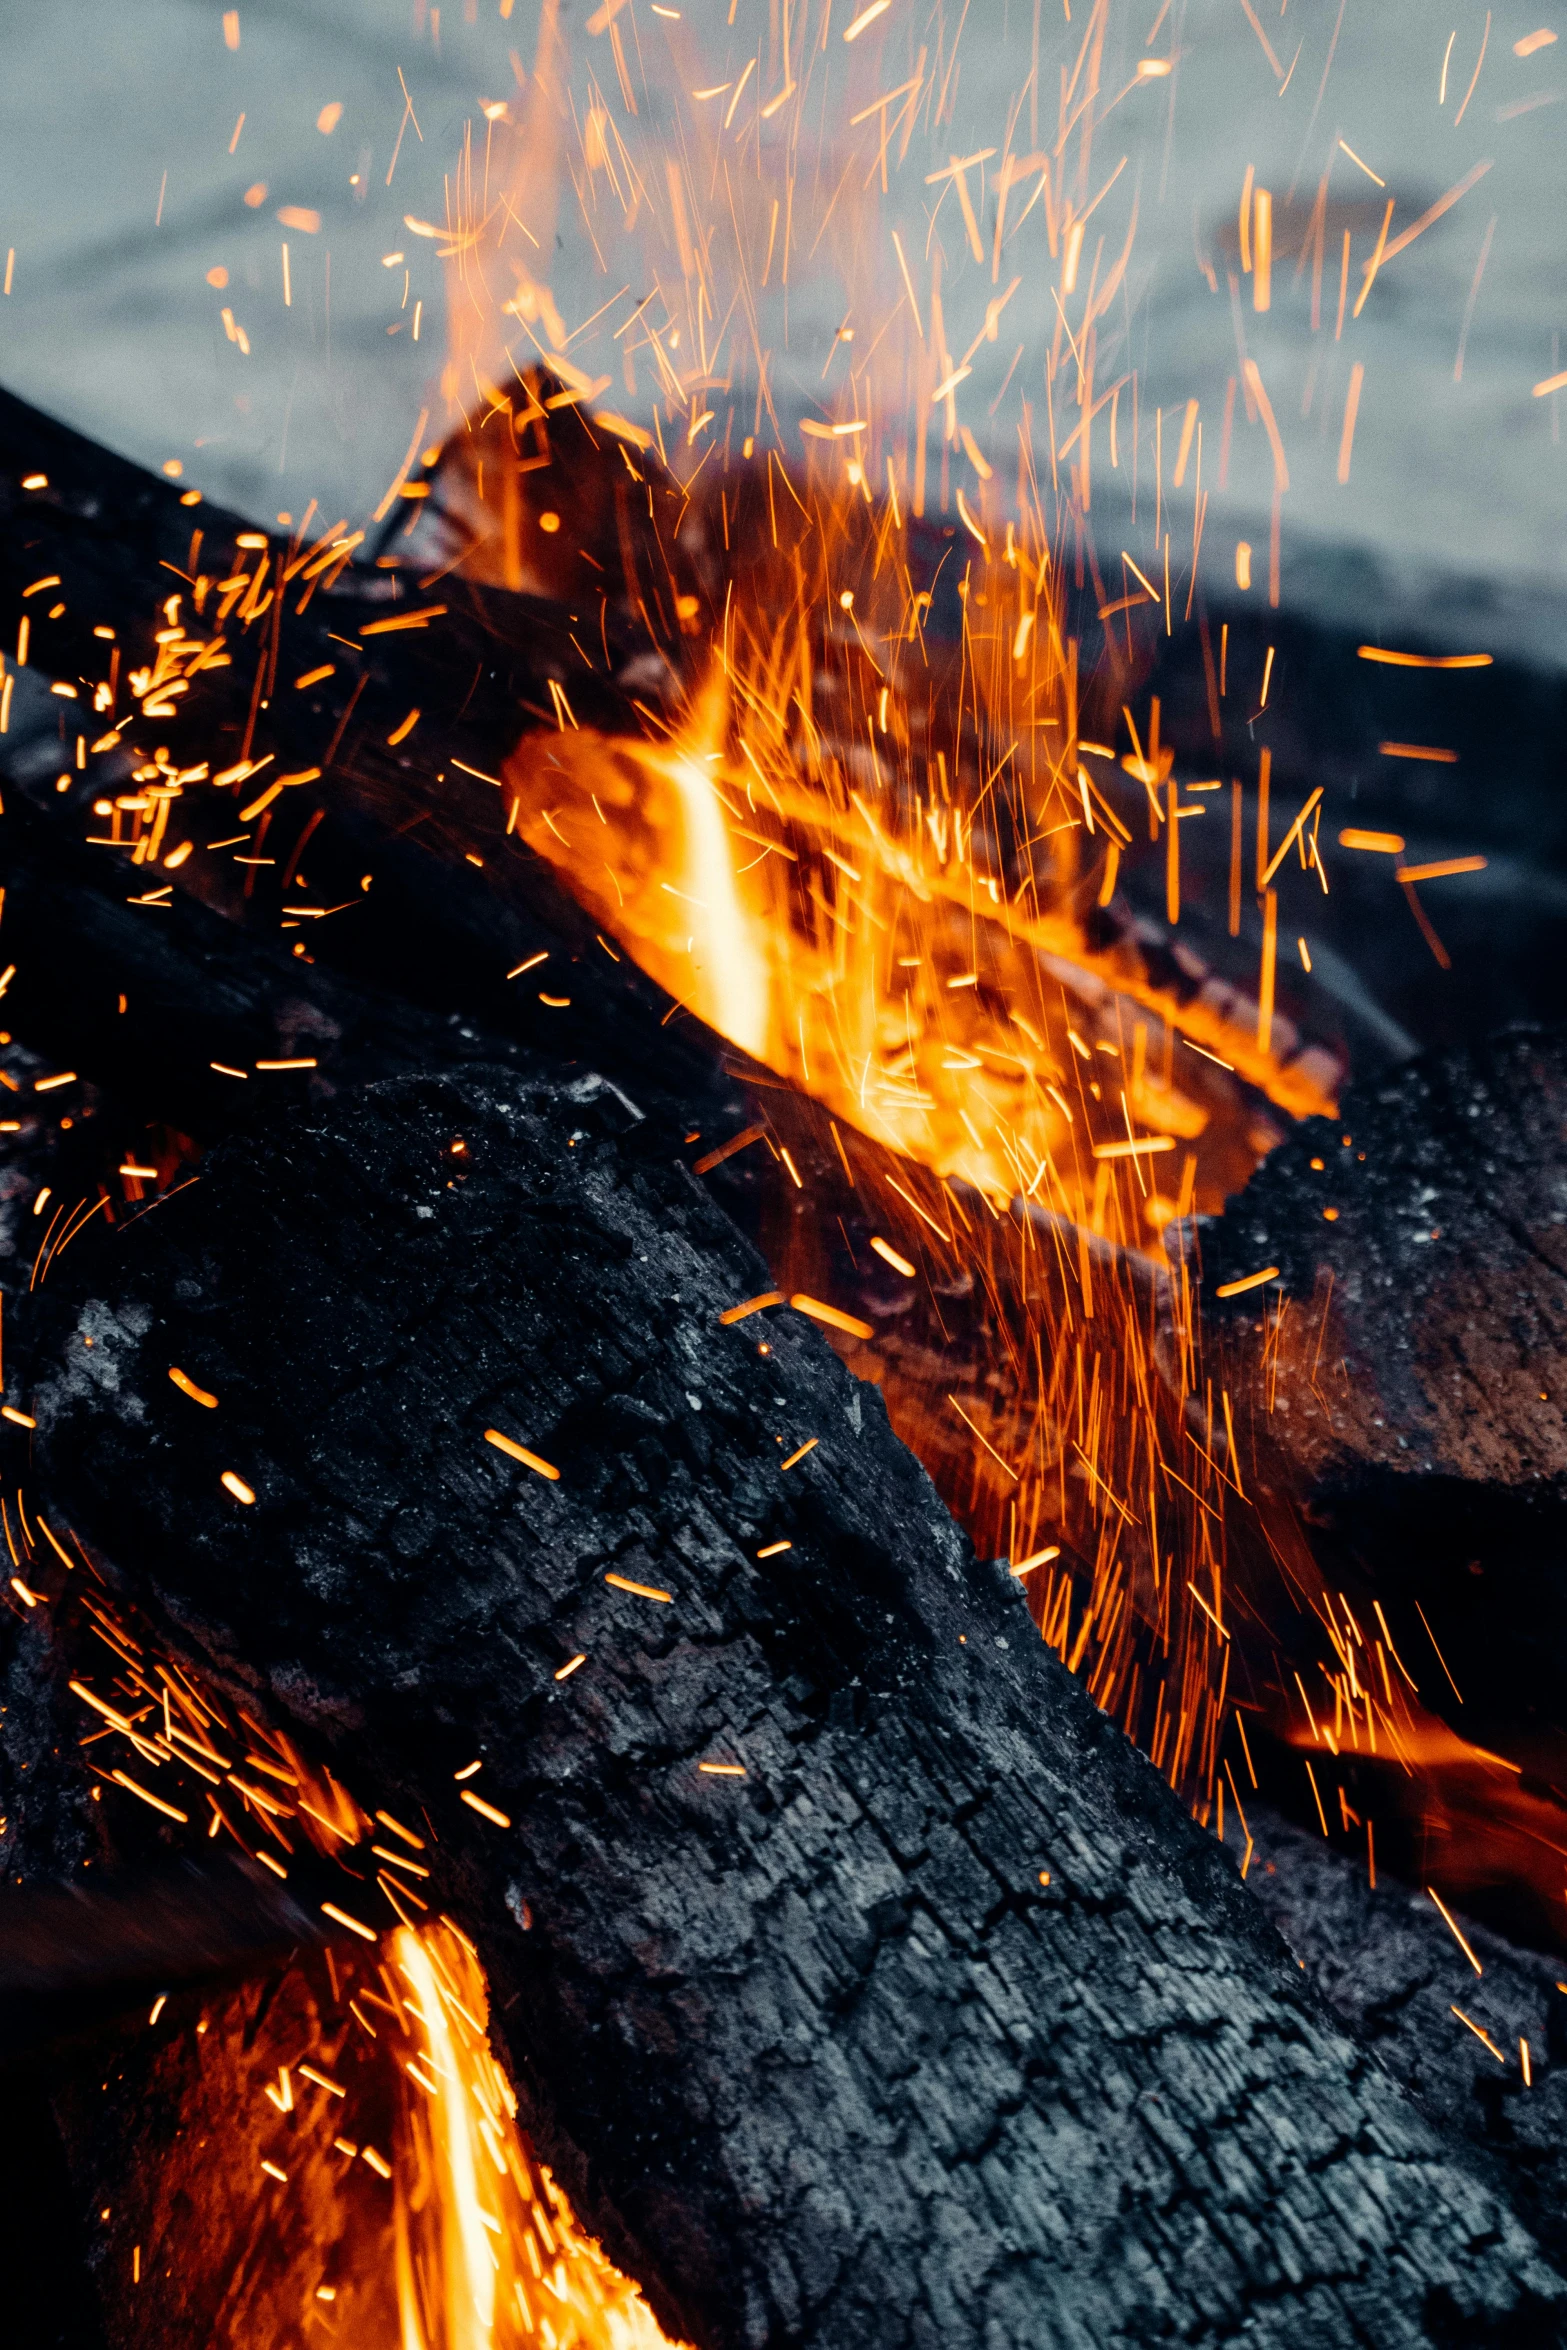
(860, 835)
(486, 2251)
(347, 2135)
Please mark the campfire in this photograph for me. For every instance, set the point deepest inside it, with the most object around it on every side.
(715, 1386)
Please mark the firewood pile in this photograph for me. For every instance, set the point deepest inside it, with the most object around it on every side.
(431, 1519)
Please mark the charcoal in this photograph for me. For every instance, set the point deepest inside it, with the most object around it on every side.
(1450, 2028)
(944, 2014)
(1414, 1398)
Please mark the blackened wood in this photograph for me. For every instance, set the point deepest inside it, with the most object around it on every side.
(944, 2019)
(1417, 1402)
(1386, 1962)
(431, 907)
(145, 1000)
(155, 1008)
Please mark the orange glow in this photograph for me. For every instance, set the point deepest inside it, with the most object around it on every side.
(896, 928)
(360, 2159)
(348, 2146)
(485, 2248)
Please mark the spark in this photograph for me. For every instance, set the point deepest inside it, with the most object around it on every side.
(1248, 1281)
(640, 1590)
(520, 1452)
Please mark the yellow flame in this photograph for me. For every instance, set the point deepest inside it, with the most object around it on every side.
(487, 2253)
(466, 2266)
(899, 937)
(728, 983)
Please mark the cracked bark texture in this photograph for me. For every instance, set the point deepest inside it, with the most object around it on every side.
(1387, 1963)
(1416, 1390)
(942, 2022)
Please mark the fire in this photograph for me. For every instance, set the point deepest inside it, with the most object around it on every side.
(863, 839)
(862, 831)
(379, 2188)
(343, 2152)
(486, 2251)
(862, 835)
(895, 922)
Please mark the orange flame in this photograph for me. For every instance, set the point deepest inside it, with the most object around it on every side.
(342, 2150)
(896, 924)
(486, 2252)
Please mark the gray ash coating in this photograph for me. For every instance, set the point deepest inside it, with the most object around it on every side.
(818, 2053)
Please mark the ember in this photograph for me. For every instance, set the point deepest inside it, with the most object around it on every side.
(771, 807)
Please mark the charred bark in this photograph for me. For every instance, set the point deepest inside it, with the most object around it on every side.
(944, 2017)
(1387, 1963)
(1416, 1390)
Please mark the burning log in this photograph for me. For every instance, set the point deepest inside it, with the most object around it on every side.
(1412, 1318)
(1424, 1223)
(399, 753)
(197, 989)
(854, 1972)
(1415, 1319)
(1006, 1053)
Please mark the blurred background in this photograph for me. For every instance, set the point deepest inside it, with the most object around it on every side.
(144, 156)
(223, 229)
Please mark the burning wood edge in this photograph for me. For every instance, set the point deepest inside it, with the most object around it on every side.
(942, 2015)
(1411, 1375)
(336, 759)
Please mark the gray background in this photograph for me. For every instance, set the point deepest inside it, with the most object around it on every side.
(111, 323)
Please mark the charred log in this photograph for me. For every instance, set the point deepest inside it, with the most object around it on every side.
(157, 1005)
(1415, 1365)
(943, 2014)
(1388, 1964)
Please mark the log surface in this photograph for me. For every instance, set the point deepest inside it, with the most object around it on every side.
(1416, 1393)
(1387, 1963)
(1437, 1203)
(818, 2052)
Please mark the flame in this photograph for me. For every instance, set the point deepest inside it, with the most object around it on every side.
(866, 849)
(895, 925)
(487, 2253)
(726, 967)
(859, 837)
(376, 2190)
(343, 2151)
(464, 2279)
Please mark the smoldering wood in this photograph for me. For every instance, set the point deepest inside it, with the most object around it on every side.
(197, 987)
(1421, 1246)
(112, 523)
(818, 2052)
